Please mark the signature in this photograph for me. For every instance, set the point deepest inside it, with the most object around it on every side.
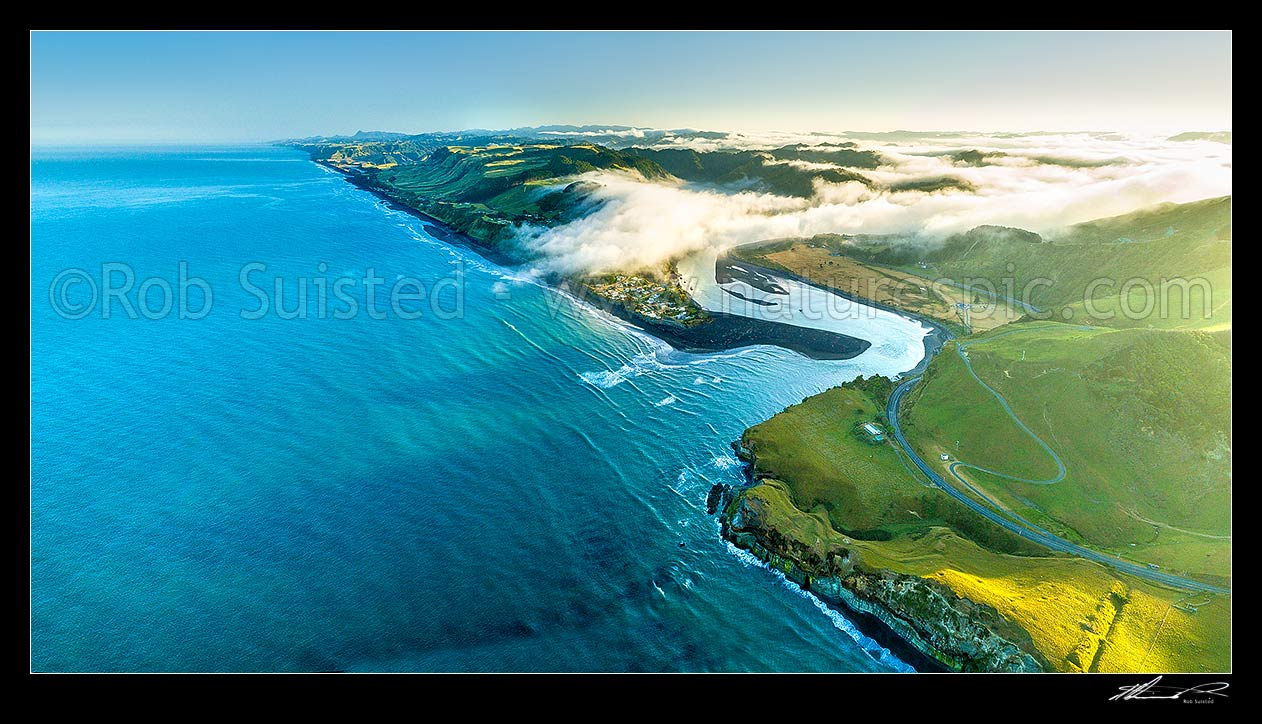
(1152, 690)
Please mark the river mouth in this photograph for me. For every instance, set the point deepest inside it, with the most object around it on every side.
(895, 342)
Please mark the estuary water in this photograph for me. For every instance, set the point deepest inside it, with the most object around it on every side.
(488, 477)
(897, 341)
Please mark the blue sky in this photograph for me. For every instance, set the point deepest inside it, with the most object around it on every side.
(119, 87)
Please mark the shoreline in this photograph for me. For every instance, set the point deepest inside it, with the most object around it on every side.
(433, 226)
(906, 614)
(866, 623)
(872, 626)
(869, 623)
(724, 332)
(731, 331)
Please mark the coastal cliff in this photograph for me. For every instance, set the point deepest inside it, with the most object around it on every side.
(950, 632)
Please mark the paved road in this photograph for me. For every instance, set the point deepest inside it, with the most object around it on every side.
(1036, 535)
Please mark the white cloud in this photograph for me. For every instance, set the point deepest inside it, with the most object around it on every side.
(626, 133)
(643, 224)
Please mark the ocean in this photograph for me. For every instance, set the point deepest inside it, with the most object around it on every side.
(483, 476)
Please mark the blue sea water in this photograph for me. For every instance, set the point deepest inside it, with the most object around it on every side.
(505, 489)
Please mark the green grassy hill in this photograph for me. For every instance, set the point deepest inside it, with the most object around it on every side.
(792, 170)
(487, 192)
(767, 170)
(1138, 411)
(1140, 418)
(824, 482)
(376, 153)
(484, 191)
(1171, 263)
(867, 489)
(1167, 242)
(484, 174)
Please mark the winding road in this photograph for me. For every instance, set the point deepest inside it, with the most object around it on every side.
(961, 348)
(1032, 533)
(1017, 525)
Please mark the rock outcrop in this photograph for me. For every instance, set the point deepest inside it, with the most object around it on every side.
(959, 634)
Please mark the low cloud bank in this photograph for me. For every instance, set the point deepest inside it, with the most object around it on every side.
(1038, 182)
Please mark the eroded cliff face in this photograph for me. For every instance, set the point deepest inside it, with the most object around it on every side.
(959, 634)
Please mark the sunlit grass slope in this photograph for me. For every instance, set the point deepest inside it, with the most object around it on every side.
(1140, 418)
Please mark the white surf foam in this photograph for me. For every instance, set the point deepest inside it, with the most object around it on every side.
(841, 623)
